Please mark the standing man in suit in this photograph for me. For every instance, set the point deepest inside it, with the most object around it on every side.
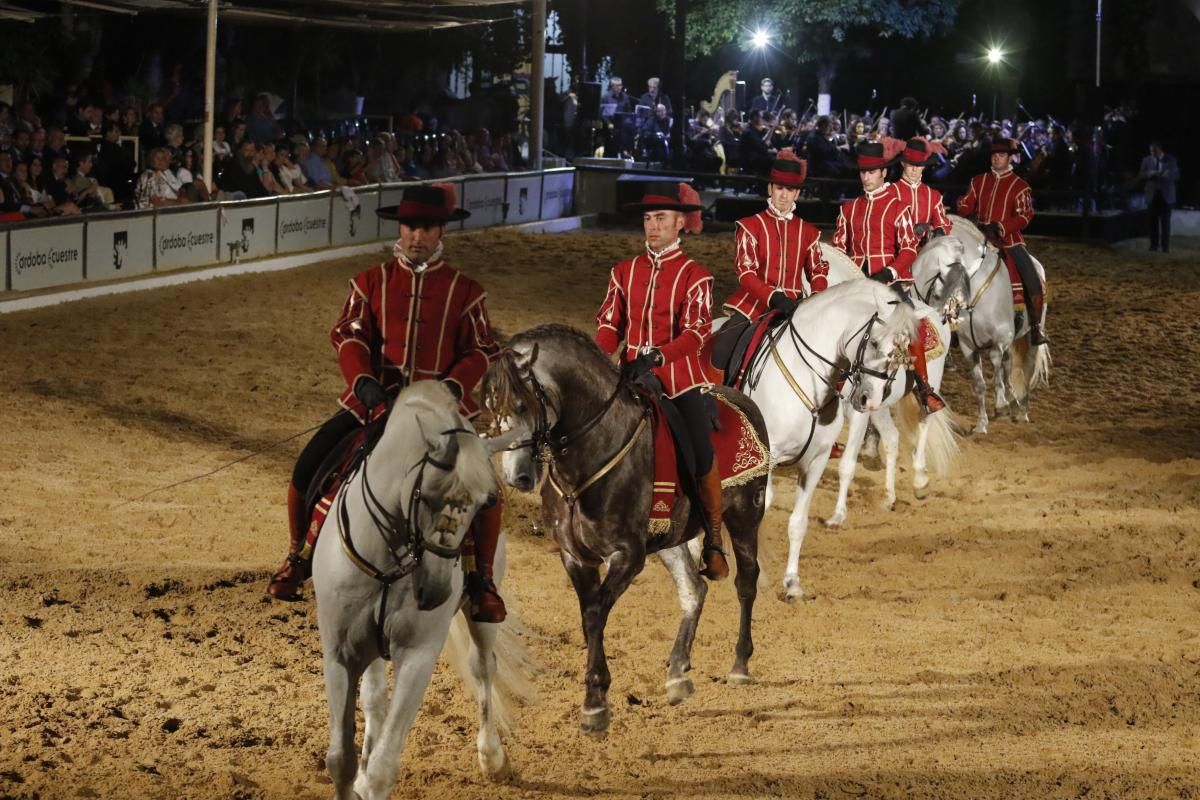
(1160, 172)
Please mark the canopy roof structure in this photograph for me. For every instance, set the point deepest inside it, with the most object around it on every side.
(378, 16)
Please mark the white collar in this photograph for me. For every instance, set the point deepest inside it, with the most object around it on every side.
(1002, 174)
(417, 267)
(661, 254)
(777, 214)
(910, 183)
(879, 191)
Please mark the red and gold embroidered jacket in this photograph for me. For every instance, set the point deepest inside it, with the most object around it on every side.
(876, 231)
(774, 253)
(402, 324)
(663, 302)
(925, 205)
(1005, 199)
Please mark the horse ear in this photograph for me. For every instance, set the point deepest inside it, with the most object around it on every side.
(525, 364)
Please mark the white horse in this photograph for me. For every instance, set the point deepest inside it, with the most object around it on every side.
(855, 332)
(975, 294)
(388, 586)
(936, 441)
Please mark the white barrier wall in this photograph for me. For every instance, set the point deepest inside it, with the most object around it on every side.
(247, 229)
(303, 223)
(358, 225)
(119, 246)
(45, 254)
(185, 238)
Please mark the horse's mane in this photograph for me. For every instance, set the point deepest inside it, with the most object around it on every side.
(559, 333)
(964, 225)
(842, 268)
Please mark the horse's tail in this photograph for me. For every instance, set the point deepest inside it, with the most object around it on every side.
(942, 448)
(1041, 368)
(515, 665)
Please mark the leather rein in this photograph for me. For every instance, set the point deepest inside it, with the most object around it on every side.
(396, 530)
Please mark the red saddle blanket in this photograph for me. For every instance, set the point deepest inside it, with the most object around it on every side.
(741, 456)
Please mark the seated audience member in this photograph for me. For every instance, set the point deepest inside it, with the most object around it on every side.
(159, 186)
(221, 149)
(87, 192)
(312, 161)
(290, 176)
(130, 121)
(194, 186)
(356, 169)
(240, 178)
(268, 170)
(114, 165)
(56, 184)
(173, 134)
(332, 156)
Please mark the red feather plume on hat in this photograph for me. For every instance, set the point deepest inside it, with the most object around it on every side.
(892, 148)
(692, 223)
(934, 146)
(448, 192)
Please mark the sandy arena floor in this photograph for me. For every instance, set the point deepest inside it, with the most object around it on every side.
(1030, 630)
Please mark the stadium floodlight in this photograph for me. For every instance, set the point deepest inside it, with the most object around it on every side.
(760, 39)
(995, 55)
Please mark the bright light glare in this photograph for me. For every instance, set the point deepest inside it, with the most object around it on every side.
(760, 39)
(995, 55)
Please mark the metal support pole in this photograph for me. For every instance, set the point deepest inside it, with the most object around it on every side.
(1099, 26)
(210, 88)
(537, 92)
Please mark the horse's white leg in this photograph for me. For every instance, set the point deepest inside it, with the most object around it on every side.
(920, 476)
(980, 384)
(482, 663)
(889, 435)
(1028, 366)
(413, 670)
(848, 463)
(374, 694)
(692, 589)
(341, 680)
(806, 485)
(1001, 365)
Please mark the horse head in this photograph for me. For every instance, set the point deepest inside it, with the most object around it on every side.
(451, 482)
(518, 413)
(880, 355)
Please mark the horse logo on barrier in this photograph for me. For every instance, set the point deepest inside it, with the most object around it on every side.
(120, 246)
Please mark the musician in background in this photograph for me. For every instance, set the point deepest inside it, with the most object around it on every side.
(906, 120)
(755, 153)
(824, 156)
(769, 100)
(654, 96)
(616, 109)
(730, 139)
(1160, 172)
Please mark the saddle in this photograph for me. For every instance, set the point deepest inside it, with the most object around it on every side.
(740, 456)
(336, 467)
(728, 354)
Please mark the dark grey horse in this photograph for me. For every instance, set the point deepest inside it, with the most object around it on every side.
(556, 397)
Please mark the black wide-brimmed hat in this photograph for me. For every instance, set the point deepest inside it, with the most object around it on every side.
(871, 155)
(916, 152)
(1005, 145)
(662, 196)
(421, 203)
(788, 169)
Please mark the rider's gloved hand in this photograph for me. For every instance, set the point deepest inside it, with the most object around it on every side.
(641, 365)
(370, 392)
(992, 230)
(884, 276)
(455, 388)
(781, 302)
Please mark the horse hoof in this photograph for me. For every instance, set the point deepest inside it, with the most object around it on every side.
(836, 521)
(921, 492)
(495, 768)
(679, 689)
(888, 505)
(980, 430)
(594, 721)
(739, 679)
(792, 590)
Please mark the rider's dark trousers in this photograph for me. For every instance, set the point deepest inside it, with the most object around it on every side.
(693, 405)
(320, 445)
(1025, 268)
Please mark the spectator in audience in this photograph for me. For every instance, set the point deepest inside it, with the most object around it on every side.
(7, 124)
(30, 197)
(194, 186)
(130, 122)
(28, 118)
(237, 135)
(290, 176)
(37, 175)
(151, 133)
(382, 166)
(21, 143)
(56, 185)
(261, 126)
(426, 161)
(240, 178)
(8, 187)
(320, 176)
(86, 191)
(158, 186)
(221, 149)
(268, 170)
(114, 164)
(356, 169)
(56, 144)
(173, 141)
